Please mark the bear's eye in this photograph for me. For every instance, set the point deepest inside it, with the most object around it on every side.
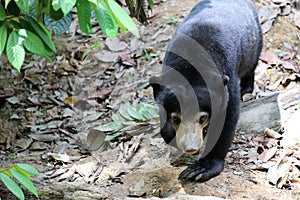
(205, 131)
(203, 118)
(176, 120)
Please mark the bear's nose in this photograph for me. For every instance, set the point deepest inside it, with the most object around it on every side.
(192, 151)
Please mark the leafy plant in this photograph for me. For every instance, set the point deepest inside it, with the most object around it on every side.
(128, 115)
(21, 173)
(25, 25)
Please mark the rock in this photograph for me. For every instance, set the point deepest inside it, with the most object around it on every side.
(258, 114)
(280, 110)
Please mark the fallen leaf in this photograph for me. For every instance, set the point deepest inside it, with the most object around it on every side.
(270, 57)
(107, 56)
(24, 143)
(35, 101)
(15, 116)
(268, 12)
(95, 139)
(59, 157)
(82, 105)
(277, 174)
(271, 133)
(71, 100)
(288, 65)
(44, 137)
(102, 93)
(266, 26)
(267, 154)
(6, 92)
(114, 44)
(13, 100)
(38, 146)
(68, 112)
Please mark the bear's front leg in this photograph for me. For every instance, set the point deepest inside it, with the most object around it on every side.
(203, 170)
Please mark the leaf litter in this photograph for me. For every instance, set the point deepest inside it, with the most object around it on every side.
(87, 116)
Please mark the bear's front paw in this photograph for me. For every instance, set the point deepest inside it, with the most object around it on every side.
(203, 170)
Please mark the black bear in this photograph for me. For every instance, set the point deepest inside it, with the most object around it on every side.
(208, 66)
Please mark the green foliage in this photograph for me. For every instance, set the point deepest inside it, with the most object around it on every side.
(122, 18)
(84, 14)
(129, 115)
(21, 173)
(106, 20)
(15, 51)
(25, 25)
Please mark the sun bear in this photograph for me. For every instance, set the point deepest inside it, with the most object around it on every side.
(209, 64)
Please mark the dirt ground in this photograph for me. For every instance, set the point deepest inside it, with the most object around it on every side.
(139, 165)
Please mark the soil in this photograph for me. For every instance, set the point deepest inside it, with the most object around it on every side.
(45, 91)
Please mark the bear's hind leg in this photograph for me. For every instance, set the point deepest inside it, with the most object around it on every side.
(247, 84)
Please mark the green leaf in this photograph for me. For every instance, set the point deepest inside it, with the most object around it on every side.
(84, 15)
(12, 186)
(67, 5)
(24, 181)
(124, 112)
(41, 30)
(28, 168)
(15, 167)
(25, 5)
(132, 111)
(106, 20)
(123, 19)
(34, 44)
(117, 118)
(151, 4)
(2, 13)
(112, 137)
(55, 5)
(6, 3)
(15, 51)
(148, 110)
(128, 123)
(3, 36)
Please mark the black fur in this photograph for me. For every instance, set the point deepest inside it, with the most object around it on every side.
(229, 30)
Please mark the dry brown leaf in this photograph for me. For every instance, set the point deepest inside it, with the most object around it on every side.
(6, 92)
(268, 12)
(278, 173)
(24, 143)
(71, 100)
(102, 93)
(270, 58)
(267, 154)
(59, 157)
(38, 146)
(271, 133)
(132, 147)
(95, 139)
(44, 137)
(114, 44)
(59, 172)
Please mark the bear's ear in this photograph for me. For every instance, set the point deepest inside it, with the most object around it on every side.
(225, 79)
(154, 82)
